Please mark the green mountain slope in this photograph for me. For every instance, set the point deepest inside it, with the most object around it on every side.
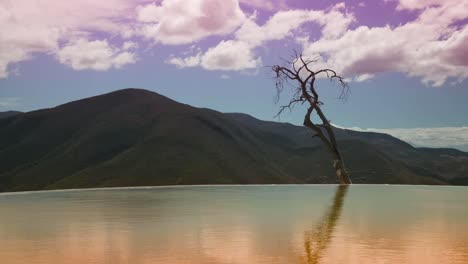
(134, 137)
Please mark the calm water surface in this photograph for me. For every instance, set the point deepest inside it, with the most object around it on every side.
(237, 224)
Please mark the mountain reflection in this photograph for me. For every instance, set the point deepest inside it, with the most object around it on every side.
(317, 240)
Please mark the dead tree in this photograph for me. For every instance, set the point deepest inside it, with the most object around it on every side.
(299, 74)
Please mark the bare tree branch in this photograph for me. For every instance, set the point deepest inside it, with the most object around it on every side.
(305, 91)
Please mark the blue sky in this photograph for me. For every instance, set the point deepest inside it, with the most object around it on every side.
(398, 80)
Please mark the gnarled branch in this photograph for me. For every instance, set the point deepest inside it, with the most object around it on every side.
(305, 91)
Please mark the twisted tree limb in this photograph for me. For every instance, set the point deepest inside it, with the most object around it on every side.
(299, 72)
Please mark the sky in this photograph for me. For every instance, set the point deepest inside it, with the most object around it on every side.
(406, 61)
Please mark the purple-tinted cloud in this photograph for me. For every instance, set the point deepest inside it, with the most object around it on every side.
(456, 52)
(183, 22)
(30, 27)
(96, 55)
(238, 53)
(422, 38)
(427, 47)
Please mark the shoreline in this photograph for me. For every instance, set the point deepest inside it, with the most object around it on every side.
(208, 186)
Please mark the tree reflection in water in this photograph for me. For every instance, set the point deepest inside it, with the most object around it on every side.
(317, 240)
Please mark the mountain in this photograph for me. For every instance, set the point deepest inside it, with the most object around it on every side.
(9, 113)
(135, 137)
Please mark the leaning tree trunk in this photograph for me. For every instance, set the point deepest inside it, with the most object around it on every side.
(329, 140)
(338, 162)
(341, 171)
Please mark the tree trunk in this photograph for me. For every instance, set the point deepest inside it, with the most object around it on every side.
(338, 162)
(341, 172)
(332, 144)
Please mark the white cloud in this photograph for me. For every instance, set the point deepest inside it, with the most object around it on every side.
(182, 22)
(437, 53)
(226, 56)
(437, 137)
(230, 55)
(283, 23)
(190, 61)
(18, 41)
(149, 13)
(432, 47)
(225, 77)
(98, 55)
(129, 45)
(277, 27)
(29, 27)
(238, 54)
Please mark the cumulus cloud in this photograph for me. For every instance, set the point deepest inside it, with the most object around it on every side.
(432, 47)
(30, 27)
(18, 41)
(230, 55)
(238, 53)
(182, 22)
(190, 61)
(437, 137)
(97, 55)
(227, 55)
(283, 23)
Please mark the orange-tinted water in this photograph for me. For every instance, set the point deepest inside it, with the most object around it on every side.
(237, 224)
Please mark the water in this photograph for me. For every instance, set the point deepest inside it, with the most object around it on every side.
(237, 224)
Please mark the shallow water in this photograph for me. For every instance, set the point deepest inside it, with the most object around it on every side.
(237, 224)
